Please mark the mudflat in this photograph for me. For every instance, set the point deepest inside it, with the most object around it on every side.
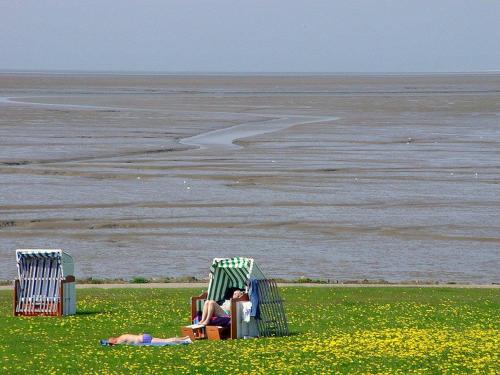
(337, 177)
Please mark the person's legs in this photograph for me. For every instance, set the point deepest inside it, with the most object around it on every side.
(208, 309)
(212, 309)
(205, 310)
(172, 339)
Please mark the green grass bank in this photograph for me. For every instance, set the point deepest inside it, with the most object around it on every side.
(334, 330)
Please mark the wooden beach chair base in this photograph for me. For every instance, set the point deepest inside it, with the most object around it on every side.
(218, 332)
(197, 333)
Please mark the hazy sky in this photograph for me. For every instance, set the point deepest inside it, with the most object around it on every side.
(250, 35)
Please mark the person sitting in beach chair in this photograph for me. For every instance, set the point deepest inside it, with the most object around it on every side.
(145, 339)
(213, 319)
(212, 309)
(257, 312)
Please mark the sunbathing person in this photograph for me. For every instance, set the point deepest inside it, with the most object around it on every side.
(145, 338)
(213, 309)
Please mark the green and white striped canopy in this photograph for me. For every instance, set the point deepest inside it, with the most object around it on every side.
(231, 273)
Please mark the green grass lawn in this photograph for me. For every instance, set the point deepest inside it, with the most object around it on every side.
(334, 330)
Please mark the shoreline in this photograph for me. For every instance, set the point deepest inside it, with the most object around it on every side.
(203, 286)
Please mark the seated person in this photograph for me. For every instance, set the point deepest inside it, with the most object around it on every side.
(145, 338)
(213, 309)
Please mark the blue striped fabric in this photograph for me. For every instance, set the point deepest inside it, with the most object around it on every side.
(38, 253)
(39, 274)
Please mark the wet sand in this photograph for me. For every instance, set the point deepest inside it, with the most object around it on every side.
(339, 177)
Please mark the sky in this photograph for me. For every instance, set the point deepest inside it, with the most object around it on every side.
(250, 35)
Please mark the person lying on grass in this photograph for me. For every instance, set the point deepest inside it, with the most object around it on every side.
(213, 309)
(145, 338)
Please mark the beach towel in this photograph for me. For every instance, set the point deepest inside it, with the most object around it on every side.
(104, 342)
(247, 311)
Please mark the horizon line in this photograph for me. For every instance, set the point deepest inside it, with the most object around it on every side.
(238, 73)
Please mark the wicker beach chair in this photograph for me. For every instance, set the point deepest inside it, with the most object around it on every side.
(227, 274)
(45, 283)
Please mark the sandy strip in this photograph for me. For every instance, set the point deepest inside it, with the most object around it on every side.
(226, 137)
(203, 286)
(215, 138)
(12, 100)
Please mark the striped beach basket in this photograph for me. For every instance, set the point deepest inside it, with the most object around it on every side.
(45, 283)
(242, 273)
